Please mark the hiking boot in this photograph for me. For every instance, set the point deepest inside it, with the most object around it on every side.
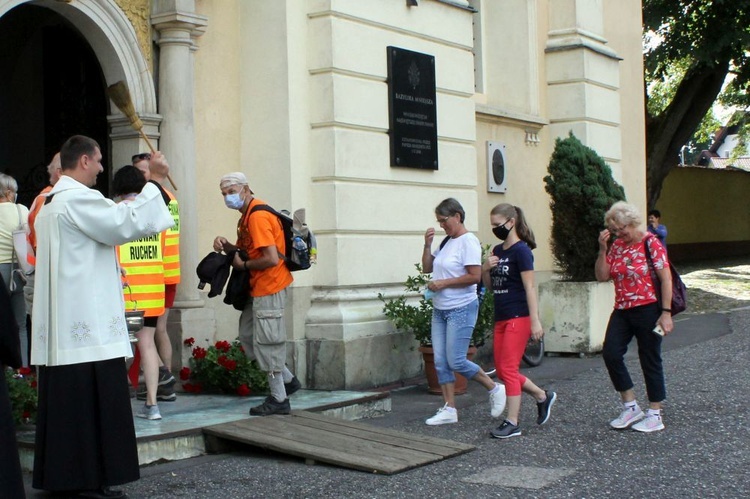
(506, 430)
(292, 386)
(165, 393)
(270, 407)
(165, 377)
(651, 423)
(627, 417)
(543, 408)
(149, 412)
(445, 415)
(497, 401)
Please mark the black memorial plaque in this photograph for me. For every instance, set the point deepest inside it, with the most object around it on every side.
(412, 109)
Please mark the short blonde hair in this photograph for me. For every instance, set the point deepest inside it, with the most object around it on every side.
(622, 213)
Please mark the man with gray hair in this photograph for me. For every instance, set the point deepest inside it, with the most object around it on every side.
(262, 330)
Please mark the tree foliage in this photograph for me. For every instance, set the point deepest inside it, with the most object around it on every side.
(697, 52)
(581, 189)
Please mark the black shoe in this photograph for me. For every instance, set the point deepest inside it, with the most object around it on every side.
(102, 493)
(165, 377)
(270, 407)
(543, 408)
(292, 386)
(164, 393)
(506, 430)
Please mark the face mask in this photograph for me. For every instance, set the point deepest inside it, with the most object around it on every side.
(501, 232)
(234, 201)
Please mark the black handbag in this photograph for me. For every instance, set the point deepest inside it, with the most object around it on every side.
(679, 290)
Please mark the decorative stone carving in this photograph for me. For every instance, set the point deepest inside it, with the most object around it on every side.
(139, 14)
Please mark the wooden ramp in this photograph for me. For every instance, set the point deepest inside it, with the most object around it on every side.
(318, 438)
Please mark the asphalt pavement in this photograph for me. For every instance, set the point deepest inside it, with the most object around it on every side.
(702, 453)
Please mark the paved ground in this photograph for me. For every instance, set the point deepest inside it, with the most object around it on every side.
(702, 453)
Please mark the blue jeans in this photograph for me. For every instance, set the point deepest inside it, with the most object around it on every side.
(623, 325)
(451, 335)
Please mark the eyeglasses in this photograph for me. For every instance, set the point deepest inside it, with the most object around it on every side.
(617, 230)
(141, 157)
(441, 221)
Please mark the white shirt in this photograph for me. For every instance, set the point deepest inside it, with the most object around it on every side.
(451, 261)
(8, 223)
(78, 313)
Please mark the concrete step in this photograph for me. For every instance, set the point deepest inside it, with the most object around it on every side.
(179, 434)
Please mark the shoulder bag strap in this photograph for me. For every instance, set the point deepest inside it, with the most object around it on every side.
(444, 242)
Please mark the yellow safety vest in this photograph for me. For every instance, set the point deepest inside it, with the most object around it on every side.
(172, 244)
(143, 262)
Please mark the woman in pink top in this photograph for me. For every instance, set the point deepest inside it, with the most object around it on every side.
(638, 312)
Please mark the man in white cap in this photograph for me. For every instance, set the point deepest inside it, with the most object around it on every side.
(262, 329)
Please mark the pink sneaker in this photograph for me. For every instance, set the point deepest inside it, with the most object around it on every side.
(627, 417)
(652, 422)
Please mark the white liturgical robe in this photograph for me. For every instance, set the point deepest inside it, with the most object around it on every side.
(78, 314)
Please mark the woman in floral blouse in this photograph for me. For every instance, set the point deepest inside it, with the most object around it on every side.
(638, 312)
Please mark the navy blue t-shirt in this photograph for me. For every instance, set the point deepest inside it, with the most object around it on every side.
(505, 279)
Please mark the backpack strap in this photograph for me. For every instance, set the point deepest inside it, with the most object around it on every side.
(265, 207)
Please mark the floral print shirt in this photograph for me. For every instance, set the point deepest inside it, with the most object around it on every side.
(629, 269)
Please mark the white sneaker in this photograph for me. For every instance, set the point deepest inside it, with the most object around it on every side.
(497, 401)
(627, 417)
(652, 422)
(444, 416)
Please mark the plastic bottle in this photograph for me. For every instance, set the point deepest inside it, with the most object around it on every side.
(299, 244)
(301, 254)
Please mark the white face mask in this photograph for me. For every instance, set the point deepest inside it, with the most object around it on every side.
(234, 201)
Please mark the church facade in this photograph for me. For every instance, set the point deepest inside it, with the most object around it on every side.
(299, 95)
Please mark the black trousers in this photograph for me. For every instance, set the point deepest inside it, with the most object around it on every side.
(623, 325)
(85, 437)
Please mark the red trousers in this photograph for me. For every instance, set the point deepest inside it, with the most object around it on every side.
(510, 341)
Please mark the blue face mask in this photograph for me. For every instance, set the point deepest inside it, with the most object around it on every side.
(234, 201)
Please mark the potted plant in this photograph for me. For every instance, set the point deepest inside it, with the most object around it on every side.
(22, 391)
(411, 312)
(574, 309)
(222, 367)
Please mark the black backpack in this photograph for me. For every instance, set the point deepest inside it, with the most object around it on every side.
(301, 247)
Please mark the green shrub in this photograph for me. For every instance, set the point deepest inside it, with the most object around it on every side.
(581, 189)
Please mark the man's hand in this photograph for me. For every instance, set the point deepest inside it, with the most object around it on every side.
(219, 243)
(158, 163)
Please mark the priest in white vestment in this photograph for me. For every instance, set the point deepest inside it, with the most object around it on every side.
(85, 439)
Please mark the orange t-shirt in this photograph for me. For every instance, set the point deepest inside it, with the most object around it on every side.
(256, 231)
(34, 211)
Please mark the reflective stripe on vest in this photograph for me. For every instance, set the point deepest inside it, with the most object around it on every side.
(172, 244)
(142, 260)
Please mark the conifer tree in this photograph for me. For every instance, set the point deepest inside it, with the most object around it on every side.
(581, 189)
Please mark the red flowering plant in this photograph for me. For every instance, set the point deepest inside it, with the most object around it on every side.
(23, 394)
(223, 367)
